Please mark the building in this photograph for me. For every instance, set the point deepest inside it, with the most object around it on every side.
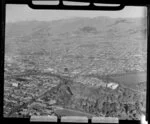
(15, 84)
(50, 70)
(112, 85)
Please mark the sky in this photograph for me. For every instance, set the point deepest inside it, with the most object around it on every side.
(25, 13)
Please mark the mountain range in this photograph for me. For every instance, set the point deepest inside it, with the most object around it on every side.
(70, 34)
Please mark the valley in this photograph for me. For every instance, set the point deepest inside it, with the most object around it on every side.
(82, 66)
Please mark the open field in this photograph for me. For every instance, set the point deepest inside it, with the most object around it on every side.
(131, 80)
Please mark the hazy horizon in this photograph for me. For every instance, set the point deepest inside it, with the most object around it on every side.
(17, 13)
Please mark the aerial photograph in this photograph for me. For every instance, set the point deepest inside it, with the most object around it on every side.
(75, 63)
